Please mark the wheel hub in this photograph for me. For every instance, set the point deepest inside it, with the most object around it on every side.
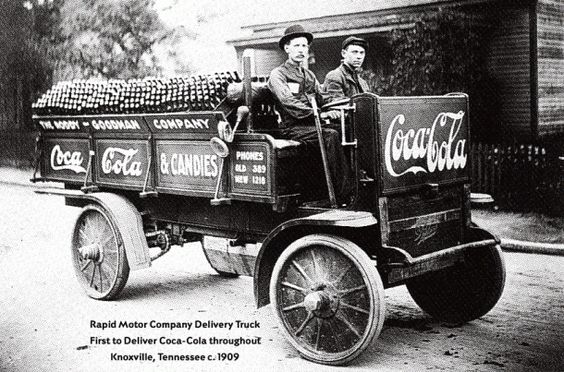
(323, 300)
(91, 252)
(315, 301)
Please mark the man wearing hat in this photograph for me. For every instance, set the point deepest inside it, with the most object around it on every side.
(344, 81)
(292, 85)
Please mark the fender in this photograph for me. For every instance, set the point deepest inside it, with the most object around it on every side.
(279, 238)
(124, 214)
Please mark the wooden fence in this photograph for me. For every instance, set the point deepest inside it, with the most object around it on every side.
(525, 177)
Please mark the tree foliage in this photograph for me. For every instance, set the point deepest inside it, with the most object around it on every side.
(96, 38)
(444, 52)
(109, 38)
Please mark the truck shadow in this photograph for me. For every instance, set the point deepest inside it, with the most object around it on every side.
(188, 287)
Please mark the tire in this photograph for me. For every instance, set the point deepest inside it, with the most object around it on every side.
(463, 292)
(328, 298)
(223, 274)
(98, 254)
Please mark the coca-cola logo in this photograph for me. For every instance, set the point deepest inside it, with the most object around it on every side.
(120, 161)
(405, 146)
(66, 160)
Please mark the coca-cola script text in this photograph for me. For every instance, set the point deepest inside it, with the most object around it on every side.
(61, 160)
(120, 161)
(421, 143)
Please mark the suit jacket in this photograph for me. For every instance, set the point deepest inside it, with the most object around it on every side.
(340, 83)
(292, 85)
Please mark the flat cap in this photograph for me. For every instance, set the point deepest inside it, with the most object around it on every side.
(353, 40)
(293, 32)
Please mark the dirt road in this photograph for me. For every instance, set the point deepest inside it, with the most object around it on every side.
(47, 324)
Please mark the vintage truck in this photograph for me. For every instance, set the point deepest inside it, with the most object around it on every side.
(147, 181)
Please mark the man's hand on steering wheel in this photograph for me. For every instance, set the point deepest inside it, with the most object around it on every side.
(332, 115)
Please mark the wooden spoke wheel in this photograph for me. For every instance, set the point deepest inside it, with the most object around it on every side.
(463, 292)
(328, 298)
(98, 254)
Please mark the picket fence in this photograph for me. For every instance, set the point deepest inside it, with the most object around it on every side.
(519, 176)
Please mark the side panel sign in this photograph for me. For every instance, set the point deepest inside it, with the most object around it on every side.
(122, 161)
(423, 141)
(66, 158)
(250, 168)
(189, 165)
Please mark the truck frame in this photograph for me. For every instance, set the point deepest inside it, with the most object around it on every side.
(146, 182)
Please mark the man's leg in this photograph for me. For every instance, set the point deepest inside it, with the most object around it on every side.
(338, 164)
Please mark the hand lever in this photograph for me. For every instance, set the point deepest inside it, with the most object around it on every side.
(242, 113)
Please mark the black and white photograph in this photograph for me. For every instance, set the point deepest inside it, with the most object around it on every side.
(281, 185)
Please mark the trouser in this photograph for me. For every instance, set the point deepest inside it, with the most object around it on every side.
(338, 164)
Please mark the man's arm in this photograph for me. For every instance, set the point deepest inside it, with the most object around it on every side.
(333, 86)
(278, 85)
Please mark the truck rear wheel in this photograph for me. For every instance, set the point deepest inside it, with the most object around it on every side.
(328, 298)
(463, 292)
(206, 243)
(98, 254)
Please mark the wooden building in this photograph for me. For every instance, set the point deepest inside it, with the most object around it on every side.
(524, 52)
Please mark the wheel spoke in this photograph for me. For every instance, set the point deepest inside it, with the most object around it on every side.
(342, 318)
(304, 324)
(96, 223)
(316, 272)
(302, 272)
(107, 230)
(345, 292)
(93, 274)
(342, 275)
(355, 308)
(103, 244)
(338, 344)
(86, 265)
(111, 268)
(294, 306)
(83, 234)
(101, 281)
(319, 325)
(293, 286)
(91, 225)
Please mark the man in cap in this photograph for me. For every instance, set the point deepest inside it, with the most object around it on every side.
(292, 85)
(344, 81)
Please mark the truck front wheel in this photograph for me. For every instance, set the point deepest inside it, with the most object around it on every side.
(463, 292)
(328, 298)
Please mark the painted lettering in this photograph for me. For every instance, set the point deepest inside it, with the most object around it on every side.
(120, 161)
(115, 124)
(421, 143)
(61, 160)
(46, 124)
(175, 124)
(250, 155)
(66, 124)
(192, 165)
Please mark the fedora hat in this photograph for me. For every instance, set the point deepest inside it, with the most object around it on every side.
(293, 32)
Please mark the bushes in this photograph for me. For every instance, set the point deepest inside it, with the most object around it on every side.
(443, 52)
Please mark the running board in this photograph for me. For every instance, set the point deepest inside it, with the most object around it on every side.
(407, 266)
